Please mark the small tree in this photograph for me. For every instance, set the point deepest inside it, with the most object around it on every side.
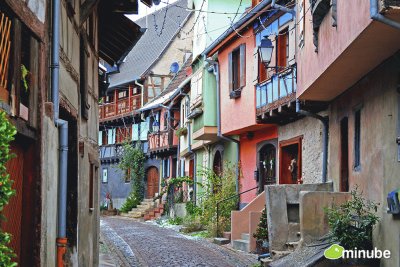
(7, 132)
(132, 163)
(261, 234)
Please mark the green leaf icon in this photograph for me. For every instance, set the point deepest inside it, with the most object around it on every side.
(334, 252)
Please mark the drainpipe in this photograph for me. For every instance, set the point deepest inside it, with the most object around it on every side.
(141, 90)
(375, 15)
(325, 131)
(283, 8)
(62, 126)
(215, 70)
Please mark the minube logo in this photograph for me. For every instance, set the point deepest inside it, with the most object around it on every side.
(336, 251)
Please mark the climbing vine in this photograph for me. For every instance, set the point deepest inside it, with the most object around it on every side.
(132, 163)
(7, 132)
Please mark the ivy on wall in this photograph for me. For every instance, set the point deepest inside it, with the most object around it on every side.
(7, 133)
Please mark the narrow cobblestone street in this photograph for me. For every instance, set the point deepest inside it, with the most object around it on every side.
(132, 243)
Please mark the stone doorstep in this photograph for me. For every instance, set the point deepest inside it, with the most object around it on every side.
(240, 244)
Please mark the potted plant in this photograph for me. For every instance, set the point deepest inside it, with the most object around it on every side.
(261, 234)
(351, 225)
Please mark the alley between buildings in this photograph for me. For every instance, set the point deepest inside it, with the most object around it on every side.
(132, 243)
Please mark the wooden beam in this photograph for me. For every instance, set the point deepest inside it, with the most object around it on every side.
(86, 9)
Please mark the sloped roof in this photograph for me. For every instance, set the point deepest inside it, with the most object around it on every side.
(172, 87)
(152, 44)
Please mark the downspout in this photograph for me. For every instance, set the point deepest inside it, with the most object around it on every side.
(141, 94)
(215, 70)
(283, 8)
(62, 126)
(375, 15)
(325, 132)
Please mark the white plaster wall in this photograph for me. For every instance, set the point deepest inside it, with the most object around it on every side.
(311, 130)
(176, 50)
(38, 7)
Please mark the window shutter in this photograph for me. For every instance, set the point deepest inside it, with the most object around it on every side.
(292, 45)
(144, 129)
(100, 141)
(135, 132)
(230, 72)
(242, 65)
(282, 41)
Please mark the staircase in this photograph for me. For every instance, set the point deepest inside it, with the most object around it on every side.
(154, 213)
(242, 244)
(140, 211)
(244, 224)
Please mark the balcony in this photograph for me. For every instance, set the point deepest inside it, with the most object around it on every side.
(113, 153)
(119, 108)
(162, 142)
(275, 98)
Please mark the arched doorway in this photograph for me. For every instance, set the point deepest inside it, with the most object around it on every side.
(267, 166)
(217, 163)
(152, 182)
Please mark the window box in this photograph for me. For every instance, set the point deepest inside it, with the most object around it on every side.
(235, 94)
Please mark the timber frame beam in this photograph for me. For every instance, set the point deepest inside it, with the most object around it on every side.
(86, 9)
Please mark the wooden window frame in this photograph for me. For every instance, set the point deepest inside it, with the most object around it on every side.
(296, 140)
(357, 139)
(91, 184)
(237, 74)
(105, 170)
(127, 179)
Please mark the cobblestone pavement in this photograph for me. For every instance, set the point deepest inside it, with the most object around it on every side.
(143, 244)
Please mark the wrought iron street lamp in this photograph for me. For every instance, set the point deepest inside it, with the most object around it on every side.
(265, 50)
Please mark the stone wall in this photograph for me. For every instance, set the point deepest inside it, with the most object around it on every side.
(311, 130)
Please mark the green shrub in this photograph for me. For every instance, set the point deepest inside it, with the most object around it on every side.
(7, 132)
(217, 188)
(191, 224)
(132, 163)
(175, 221)
(131, 202)
(352, 222)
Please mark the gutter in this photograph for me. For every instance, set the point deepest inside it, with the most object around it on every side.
(375, 15)
(62, 126)
(325, 137)
(283, 8)
(141, 90)
(214, 68)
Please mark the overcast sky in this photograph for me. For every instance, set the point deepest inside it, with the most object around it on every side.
(144, 10)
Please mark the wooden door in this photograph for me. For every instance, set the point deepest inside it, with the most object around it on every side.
(13, 211)
(344, 155)
(152, 182)
(290, 160)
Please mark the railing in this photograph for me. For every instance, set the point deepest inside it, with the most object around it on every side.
(159, 140)
(229, 198)
(119, 107)
(278, 87)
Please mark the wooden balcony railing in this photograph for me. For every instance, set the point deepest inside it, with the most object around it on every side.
(277, 90)
(161, 140)
(119, 107)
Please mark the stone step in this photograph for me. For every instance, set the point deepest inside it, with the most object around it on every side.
(240, 244)
(277, 254)
(135, 214)
(221, 241)
(145, 206)
(148, 200)
(245, 236)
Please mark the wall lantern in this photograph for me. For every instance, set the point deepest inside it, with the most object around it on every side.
(156, 127)
(265, 50)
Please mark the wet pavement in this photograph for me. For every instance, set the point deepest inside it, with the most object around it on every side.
(132, 243)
